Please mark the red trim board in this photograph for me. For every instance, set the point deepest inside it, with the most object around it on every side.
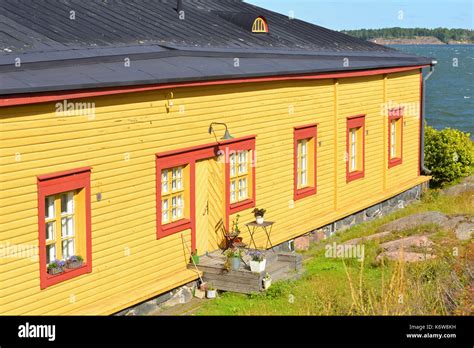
(45, 97)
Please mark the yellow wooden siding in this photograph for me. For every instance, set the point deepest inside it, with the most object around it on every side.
(202, 197)
(120, 144)
(216, 217)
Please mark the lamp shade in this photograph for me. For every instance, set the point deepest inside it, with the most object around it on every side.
(227, 135)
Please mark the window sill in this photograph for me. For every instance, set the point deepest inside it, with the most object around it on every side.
(239, 206)
(51, 279)
(351, 176)
(304, 192)
(394, 162)
(174, 227)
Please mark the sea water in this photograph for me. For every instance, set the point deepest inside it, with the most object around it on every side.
(450, 90)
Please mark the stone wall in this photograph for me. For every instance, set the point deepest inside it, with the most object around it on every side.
(374, 212)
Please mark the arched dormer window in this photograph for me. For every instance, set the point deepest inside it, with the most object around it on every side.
(260, 25)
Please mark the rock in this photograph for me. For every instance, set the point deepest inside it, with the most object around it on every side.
(363, 239)
(302, 243)
(412, 241)
(406, 256)
(467, 184)
(464, 230)
(182, 295)
(374, 211)
(416, 220)
(318, 235)
(145, 308)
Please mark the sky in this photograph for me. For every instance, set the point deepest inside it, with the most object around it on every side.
(372, 14)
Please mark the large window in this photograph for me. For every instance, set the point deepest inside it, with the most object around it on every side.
(240, 175)
(64, 224)
(173, 194)
(395, 137)
(305, 161)
(355, 155)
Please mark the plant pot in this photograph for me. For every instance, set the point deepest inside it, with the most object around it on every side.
(211, 294)
(260, 220)
(195, 259)
(267, 283)
(258, 266)
(235, 263)
(75, 264)
(54, 271)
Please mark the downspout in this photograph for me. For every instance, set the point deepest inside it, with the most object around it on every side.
(423, 169)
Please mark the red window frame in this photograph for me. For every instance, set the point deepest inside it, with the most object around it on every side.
(52, 184)
(246, 145)
(357, 121)
(168, 163)
(299, 133)
(395, 114)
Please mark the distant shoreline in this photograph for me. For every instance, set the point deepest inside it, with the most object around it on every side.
(424, 40)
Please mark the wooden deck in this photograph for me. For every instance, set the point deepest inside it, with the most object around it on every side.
(280, 265)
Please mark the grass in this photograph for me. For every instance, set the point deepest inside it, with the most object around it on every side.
(333, 286)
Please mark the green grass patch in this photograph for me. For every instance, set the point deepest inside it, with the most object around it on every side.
(332, 286)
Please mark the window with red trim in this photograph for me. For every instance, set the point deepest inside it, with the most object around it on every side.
(240, 176)
(174, 198)
(355, 148)
(64, 225)
(395, 137)
(305, 138)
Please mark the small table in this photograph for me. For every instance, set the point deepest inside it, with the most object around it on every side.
(266, 226)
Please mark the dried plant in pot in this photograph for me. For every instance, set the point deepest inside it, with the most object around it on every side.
(56, 267)
(75, 261)
(257, 262)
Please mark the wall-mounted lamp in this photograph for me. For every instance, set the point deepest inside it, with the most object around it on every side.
(226, 136)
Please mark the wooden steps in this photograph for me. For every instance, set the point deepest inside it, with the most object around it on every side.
(280, 265)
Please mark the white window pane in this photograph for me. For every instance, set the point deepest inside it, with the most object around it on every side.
(50, 230)
(304, 147)
(179, 184)
(68, 248)
(49, 209)
(50, 253)
(164, 187)
(165, 216)
(67, 227)
(173, 213)
(67, 203)
(164, 175)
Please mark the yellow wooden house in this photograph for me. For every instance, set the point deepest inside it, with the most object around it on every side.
(129, 132)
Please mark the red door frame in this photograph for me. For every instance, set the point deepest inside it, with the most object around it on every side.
(189, 156)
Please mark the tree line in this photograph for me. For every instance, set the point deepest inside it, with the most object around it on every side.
(442, 34)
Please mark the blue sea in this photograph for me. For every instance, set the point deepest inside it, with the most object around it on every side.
(450, 90)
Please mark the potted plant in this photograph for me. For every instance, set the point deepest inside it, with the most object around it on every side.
(211, 291)
(75, 261)
(195, 257)
(234, 256)
(258, 262)
(259, 214)
(267, 281)
(56, 267)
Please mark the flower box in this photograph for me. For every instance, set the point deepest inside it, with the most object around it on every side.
(74, 264)
(54, 271)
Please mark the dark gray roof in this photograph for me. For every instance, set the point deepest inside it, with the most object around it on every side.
(58, 53)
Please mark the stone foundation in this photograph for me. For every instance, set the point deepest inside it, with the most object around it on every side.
(376, 211)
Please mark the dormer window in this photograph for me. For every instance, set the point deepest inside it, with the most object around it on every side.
(260, 25)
